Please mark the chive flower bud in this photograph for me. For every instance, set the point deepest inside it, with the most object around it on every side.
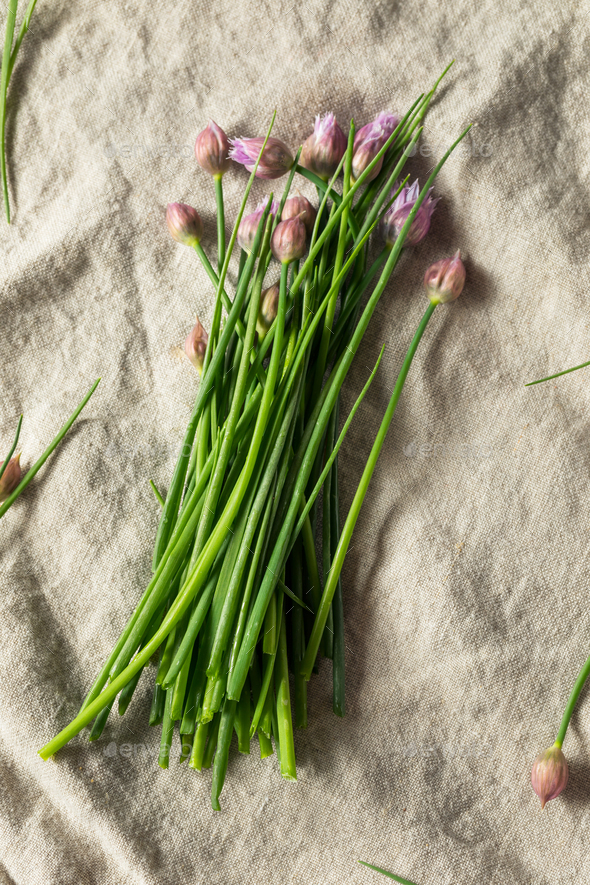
(550, 774)
(275, 161)
(444, 280)
(196, 345)
(212, 150)
(368, 141)
(249, 224)
(324, 148)
(300, 205)
(269, 306)
(396, 216)
(184, 223)
(10, 478)
(288, 240)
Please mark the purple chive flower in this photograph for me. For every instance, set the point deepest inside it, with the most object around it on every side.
(288, 240)
(196, 345)
(550, 774)
(368, 141)
(396, 216)
(300, 205)
(184, 223)
(444, 280)
(276, 159)
(10, 478)
(324, 148)
(212, 150)
(249, 224)
(269, 306)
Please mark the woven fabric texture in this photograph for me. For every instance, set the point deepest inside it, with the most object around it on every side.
(466, 587)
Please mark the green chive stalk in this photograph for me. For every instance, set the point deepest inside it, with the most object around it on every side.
(8, 62)
(386, 873)
(567, 715)
(4, 77)
(558, 374)
(338, 561)
(48, 451)
(4, 464)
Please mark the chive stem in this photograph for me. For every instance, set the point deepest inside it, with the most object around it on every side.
(4, 464)
(50, 448)
(578, 686)
(355, 507)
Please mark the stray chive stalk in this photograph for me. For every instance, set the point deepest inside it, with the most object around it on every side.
(4, 464)
(50, 448)
(386, 873)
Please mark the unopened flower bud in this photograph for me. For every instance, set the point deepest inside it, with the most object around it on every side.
(397, 215)
(300, 205)
(212, 150)
(275, 161)
(10, 478)
(184, 223)
(288, 240)
(324, 148)
(196, 345)
(249, 224)
(269, 306)
(368, 141)
(444, 280)
(550, 774)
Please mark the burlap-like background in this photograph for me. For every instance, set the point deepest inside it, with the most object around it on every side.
(466, 591)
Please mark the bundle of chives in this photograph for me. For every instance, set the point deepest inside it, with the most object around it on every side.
(236, 601)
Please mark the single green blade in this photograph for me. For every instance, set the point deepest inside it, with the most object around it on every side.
(386, 873)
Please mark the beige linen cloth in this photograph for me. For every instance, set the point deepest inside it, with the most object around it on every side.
(466, 589)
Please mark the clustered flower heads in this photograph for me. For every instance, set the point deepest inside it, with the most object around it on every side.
(269, 305)
(196, 345)
(298, 205)
(550, 774)
(249, 224)
(368, 141)
(397, 215)
(444, 280)
(232, 576)
(275, 161)
(325, 147)
(212, 150)
(184, 223)
(288, 240)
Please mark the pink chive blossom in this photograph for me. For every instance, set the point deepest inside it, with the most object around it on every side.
(299, 205)
(444, 280)
(269, 306)
(325, 147)
(288, 240)
(368, 141)
(10, 478)
(196, 345)
(184, 223)
(550, 774)
(249, 224)
(212, 150)
(396, 216)
(276, 159)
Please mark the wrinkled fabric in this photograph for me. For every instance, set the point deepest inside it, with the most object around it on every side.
(466, 586)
